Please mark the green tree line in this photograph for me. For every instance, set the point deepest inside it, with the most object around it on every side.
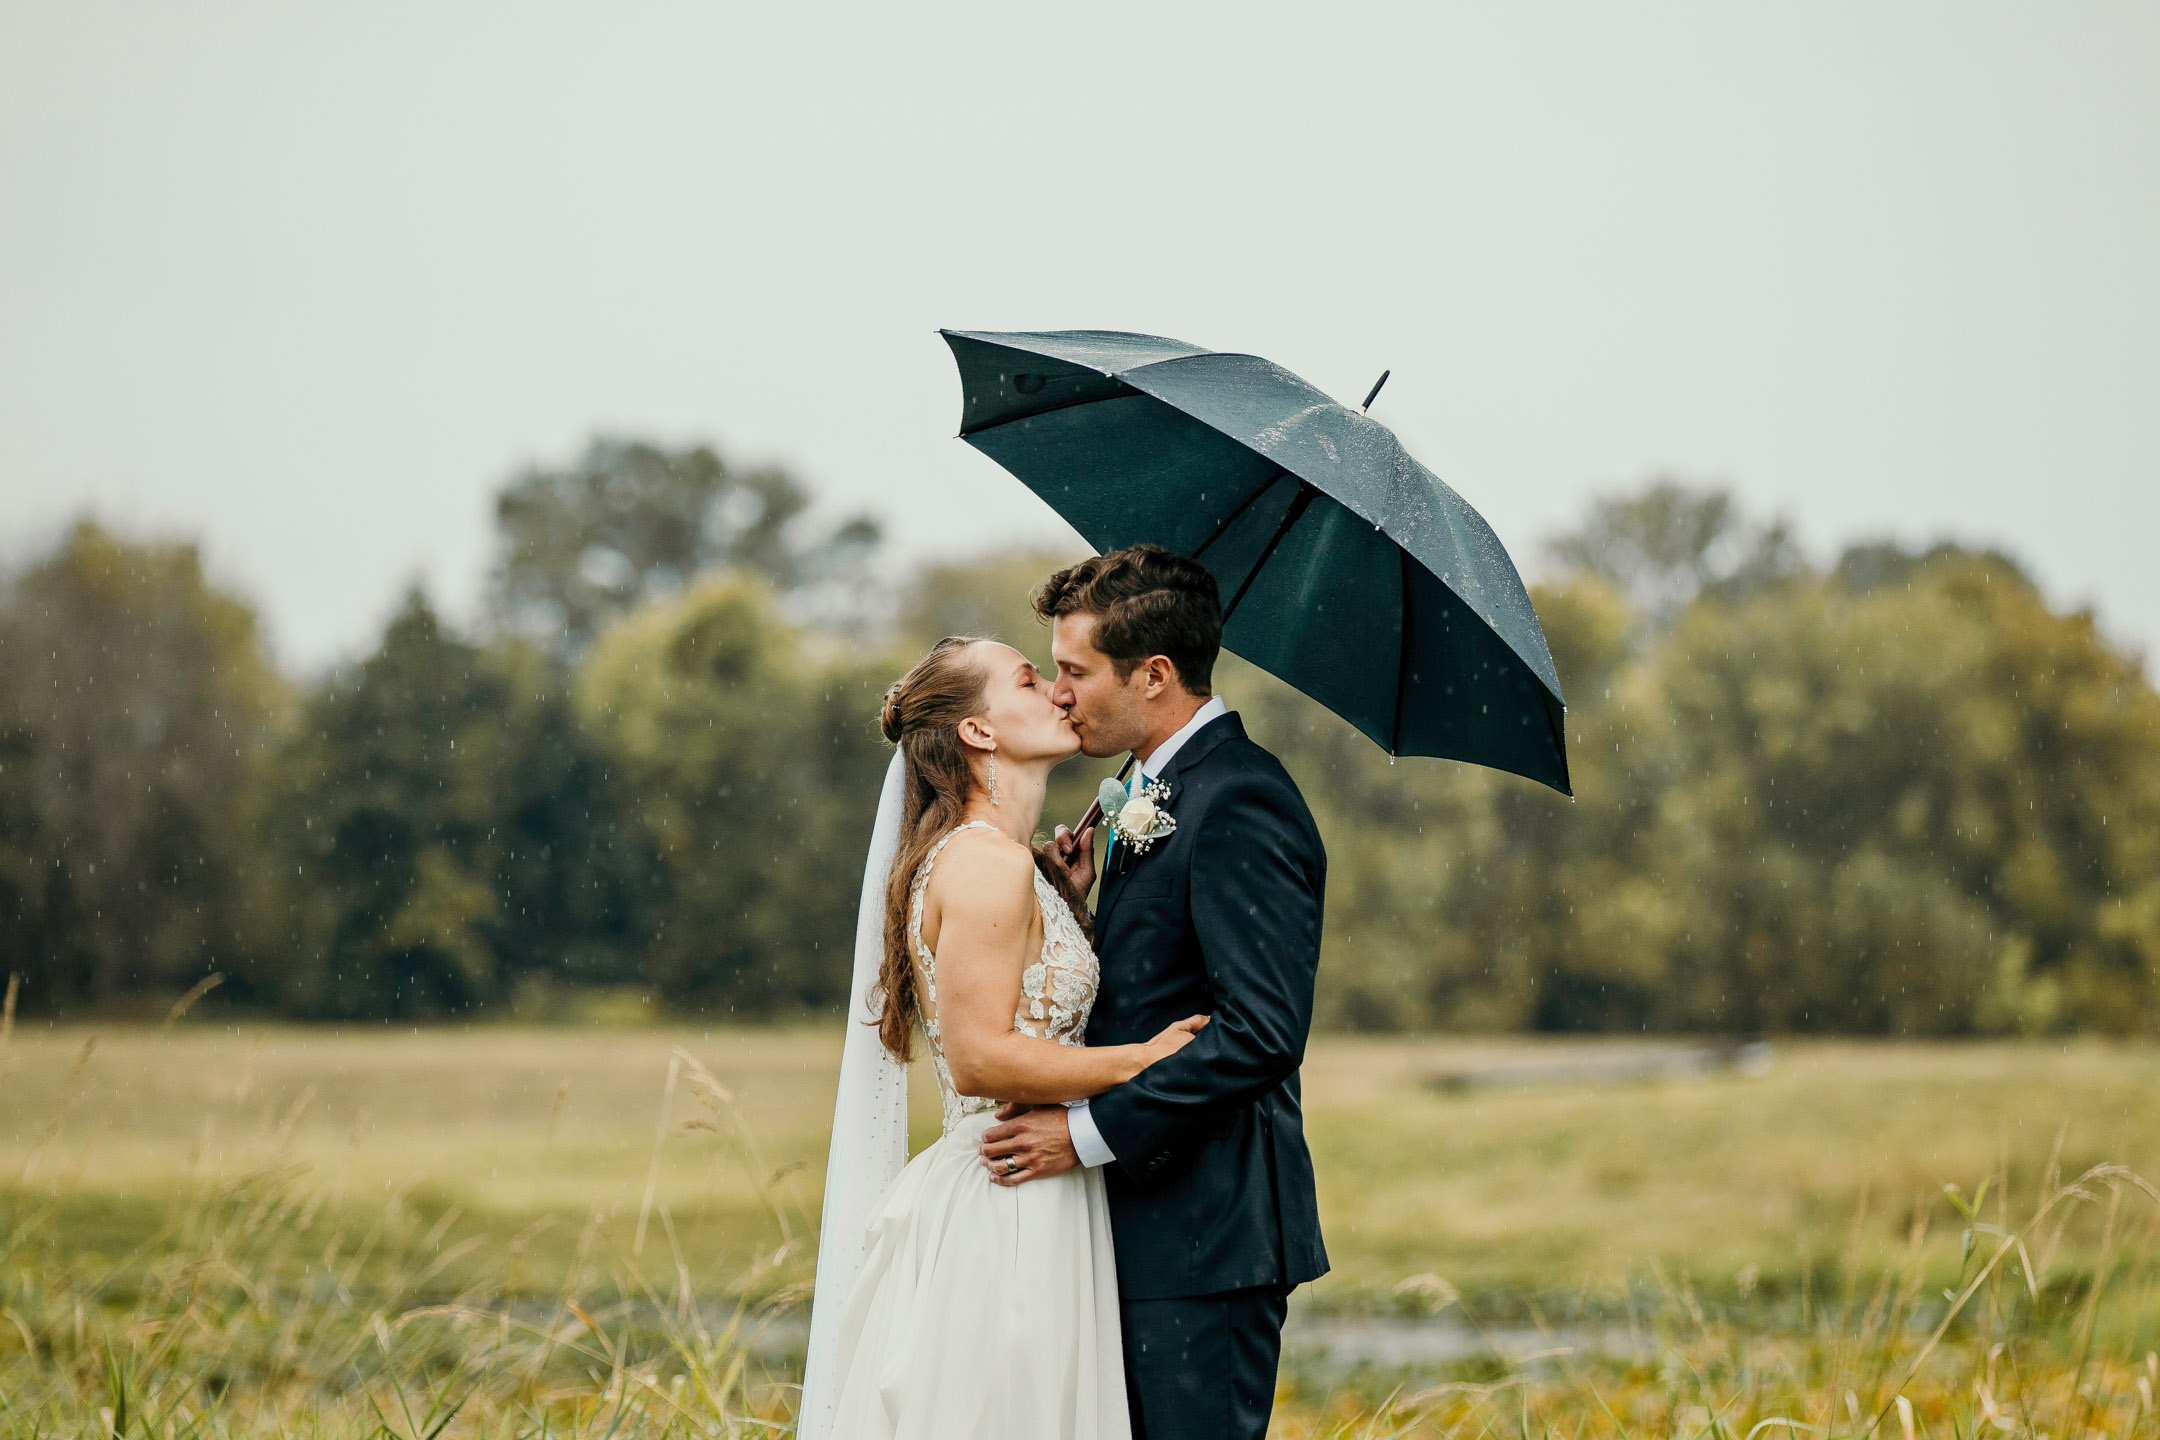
(1898, 793)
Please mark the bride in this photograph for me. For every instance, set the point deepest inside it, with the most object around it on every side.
(950, 1305)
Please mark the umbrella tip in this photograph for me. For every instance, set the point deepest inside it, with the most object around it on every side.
(1373, 393)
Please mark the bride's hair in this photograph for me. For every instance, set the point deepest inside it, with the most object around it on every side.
(922, 716)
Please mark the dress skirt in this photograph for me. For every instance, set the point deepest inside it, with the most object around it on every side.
(984, 1310)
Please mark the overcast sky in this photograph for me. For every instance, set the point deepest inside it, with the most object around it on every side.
(308, 280)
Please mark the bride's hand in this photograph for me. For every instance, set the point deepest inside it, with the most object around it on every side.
(1074, 854)
(1176, 1037)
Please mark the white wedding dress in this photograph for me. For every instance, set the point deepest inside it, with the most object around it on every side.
(985, 1310)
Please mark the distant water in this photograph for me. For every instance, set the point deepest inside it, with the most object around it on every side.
(1332, 1344)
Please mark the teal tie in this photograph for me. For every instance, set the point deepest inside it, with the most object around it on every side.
(1111, 849)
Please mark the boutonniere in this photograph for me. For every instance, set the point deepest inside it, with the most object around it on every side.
(1138, 819)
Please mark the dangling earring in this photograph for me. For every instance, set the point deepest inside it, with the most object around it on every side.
(993, 783)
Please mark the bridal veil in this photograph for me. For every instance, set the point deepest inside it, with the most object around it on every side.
(869, 1134)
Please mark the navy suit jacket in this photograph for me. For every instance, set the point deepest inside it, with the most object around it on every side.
(1212, 1189)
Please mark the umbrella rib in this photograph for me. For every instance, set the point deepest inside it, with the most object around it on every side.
(1223, 525)
(1053, 409)
(1290, 517)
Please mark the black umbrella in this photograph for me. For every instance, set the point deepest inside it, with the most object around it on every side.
(1347, 568)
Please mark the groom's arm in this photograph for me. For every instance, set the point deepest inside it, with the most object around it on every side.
(1255, 887)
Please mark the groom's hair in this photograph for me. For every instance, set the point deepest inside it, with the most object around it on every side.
(1146, 601)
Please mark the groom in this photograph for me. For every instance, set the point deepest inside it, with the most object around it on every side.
(1210, 1184)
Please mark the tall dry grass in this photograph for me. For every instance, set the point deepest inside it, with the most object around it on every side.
(269, 1305)
(268, 1300)
(2016, 1345)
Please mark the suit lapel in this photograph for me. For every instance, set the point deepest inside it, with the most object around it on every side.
(1124, 862)
(1205, 741)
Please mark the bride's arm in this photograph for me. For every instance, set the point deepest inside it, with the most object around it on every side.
(987, 913)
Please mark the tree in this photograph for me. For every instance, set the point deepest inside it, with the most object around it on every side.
(1667, 543)
(747, 759)
(385, 827)
(41, 937)
(136, 705)
(1897, 795)
(575, 885)
(1925, 806)
(1902, 797)
(991, 596)
(441, 826)
(629, 522)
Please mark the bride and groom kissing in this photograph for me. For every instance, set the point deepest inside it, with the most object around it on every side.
(1102, 1242)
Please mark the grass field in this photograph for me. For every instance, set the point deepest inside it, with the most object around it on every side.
(303, 1223)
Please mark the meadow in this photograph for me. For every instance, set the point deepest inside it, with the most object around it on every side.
(223, 1229)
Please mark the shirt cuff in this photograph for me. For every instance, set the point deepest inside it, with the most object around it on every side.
(1087, 1141)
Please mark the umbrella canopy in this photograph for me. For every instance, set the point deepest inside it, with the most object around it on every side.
(1347, 568)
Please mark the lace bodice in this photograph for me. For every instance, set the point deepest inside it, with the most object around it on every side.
(1057, 990)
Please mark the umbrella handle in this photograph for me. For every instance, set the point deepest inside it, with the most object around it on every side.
(1094, 810)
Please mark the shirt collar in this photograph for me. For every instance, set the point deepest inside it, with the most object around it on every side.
(1158, 762)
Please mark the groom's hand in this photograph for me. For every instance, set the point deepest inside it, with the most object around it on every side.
(1073, 852)
(1038, 1139)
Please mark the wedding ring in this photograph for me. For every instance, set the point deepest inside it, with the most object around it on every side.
(1012, 1164)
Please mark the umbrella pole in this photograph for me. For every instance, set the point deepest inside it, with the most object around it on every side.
(1094, 810)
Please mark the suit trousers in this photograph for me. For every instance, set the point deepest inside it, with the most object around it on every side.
(1203, 1367)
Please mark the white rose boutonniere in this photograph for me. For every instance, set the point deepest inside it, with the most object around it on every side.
(1139, 820)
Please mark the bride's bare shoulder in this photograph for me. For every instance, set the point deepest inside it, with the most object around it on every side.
(984, 867)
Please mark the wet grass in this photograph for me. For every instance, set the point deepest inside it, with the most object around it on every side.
(215, 1231)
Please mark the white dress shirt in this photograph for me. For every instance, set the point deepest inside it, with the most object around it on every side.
(1087, 1141)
